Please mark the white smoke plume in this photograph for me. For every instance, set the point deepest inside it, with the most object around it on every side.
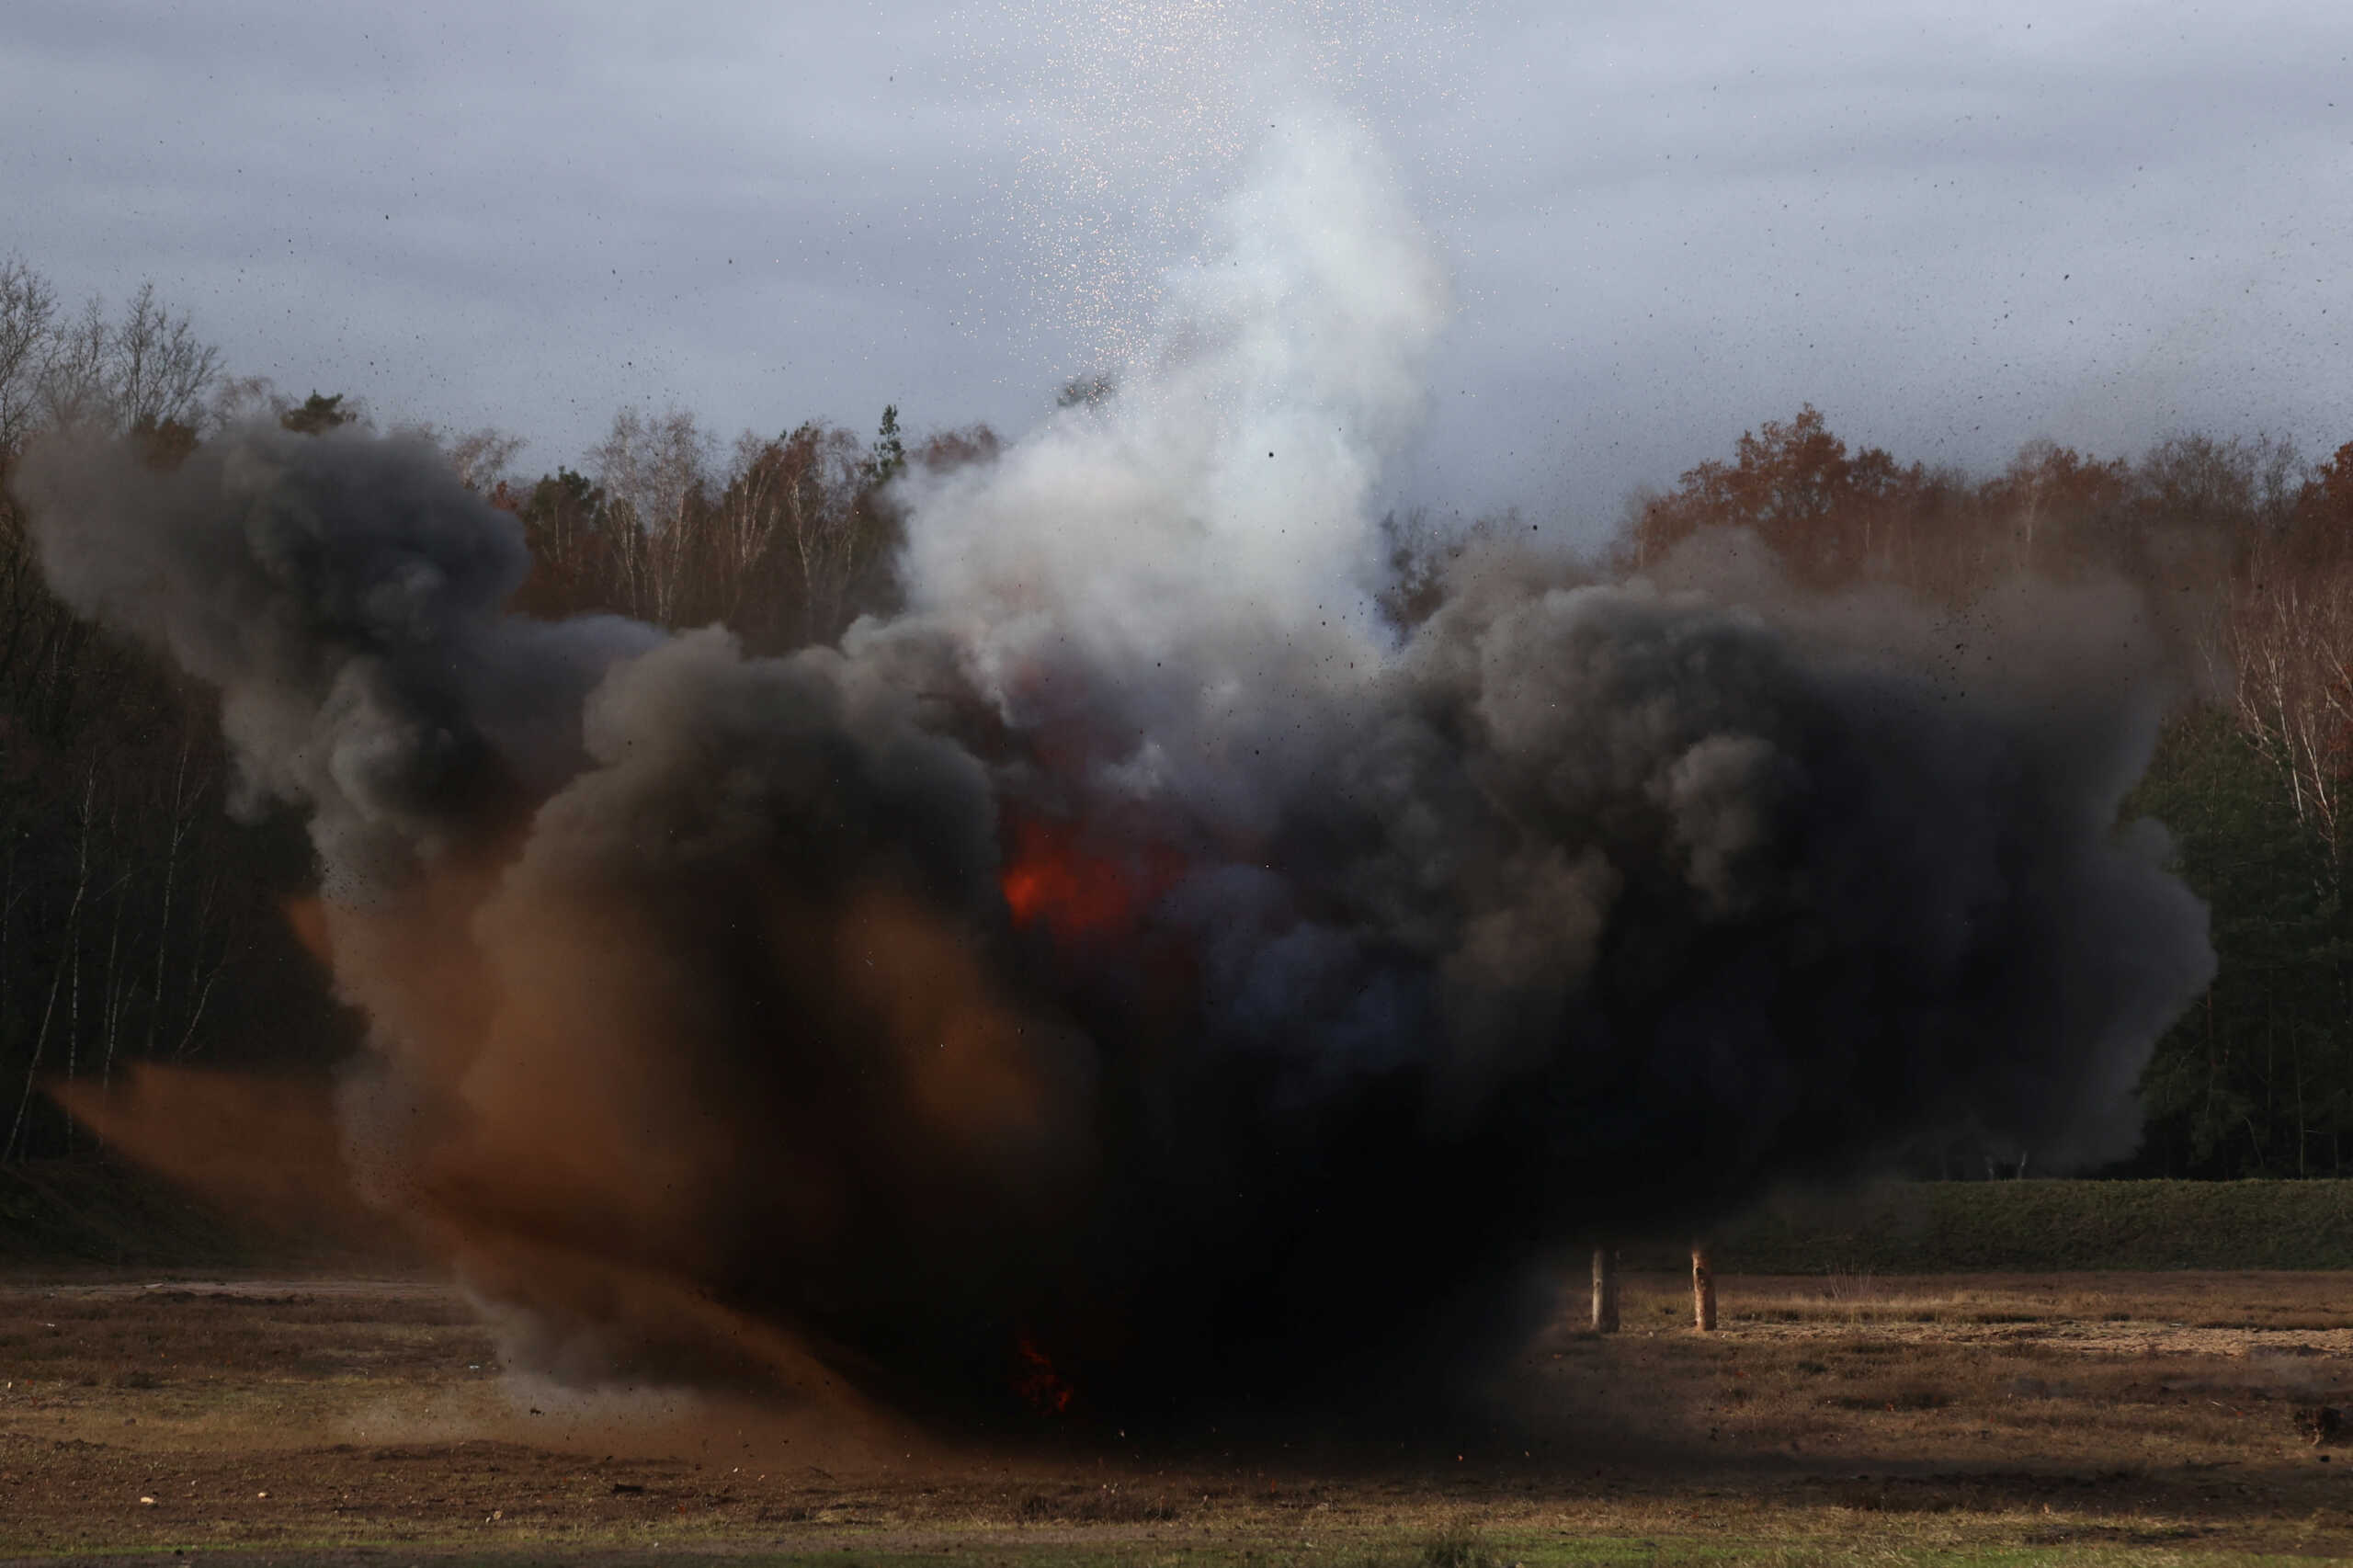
(1201, 543)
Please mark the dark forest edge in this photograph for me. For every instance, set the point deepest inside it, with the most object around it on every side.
(94, 1213)
(138, 922)
(90, 1213)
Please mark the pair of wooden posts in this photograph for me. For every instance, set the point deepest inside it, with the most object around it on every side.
(1604, 1290)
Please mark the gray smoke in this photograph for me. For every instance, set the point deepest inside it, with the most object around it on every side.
(343, 593)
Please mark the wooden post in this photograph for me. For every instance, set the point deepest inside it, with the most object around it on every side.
(1604, 1290)
(1703, 1290)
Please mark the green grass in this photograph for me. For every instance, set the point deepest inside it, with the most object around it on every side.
(2040, 1227)
(89, 1211)
(95, 1211)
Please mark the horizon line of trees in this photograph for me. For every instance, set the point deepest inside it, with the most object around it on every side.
(137, 921)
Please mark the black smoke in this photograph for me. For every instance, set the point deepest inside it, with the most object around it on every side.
(1598, 908)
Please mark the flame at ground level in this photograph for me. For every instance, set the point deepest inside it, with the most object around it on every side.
(1044, 1389)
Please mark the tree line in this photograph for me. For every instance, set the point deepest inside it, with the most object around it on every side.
(138, 922)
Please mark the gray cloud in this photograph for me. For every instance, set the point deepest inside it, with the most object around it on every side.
(1951, 232)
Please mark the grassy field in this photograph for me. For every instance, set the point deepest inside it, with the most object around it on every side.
(2114, 1417)
(66, 1213)
(2041, 1226)
(88, 1212)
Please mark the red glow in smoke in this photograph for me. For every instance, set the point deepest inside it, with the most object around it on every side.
(1078, 892)
(1043, 1389)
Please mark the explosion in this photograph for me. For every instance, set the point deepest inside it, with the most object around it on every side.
(1053, 878)
(1255, 1013)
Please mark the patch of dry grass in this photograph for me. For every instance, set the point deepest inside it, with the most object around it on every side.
(1959, 1419)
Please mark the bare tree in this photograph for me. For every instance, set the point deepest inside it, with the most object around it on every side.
(156, 370)
(243, 400)
(27, 325)
(58, 971)
(145, 372)
(652, 472)
(73, 378)
(786, 527)
(480, 458)
(2290, 635)
(186, 800)
(823, 523)
(750, 513)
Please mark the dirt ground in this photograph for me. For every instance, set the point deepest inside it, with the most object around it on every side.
(1961, 1419)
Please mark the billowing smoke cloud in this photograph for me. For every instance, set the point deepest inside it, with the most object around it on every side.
(1134, 969)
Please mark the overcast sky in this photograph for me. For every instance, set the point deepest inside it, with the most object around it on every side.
(1952, 228)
